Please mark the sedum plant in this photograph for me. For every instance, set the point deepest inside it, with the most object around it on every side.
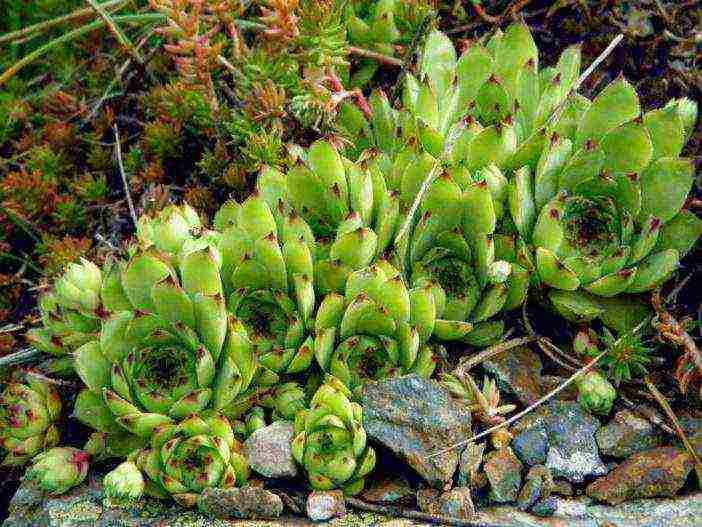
(59, 469)
(330, 442)
(376, 329)
(28, 415)
(186, 458)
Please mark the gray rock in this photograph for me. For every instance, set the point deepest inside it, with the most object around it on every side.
(504, 472)
(457, 503)
(323, 506)
(545, 507)
(538, 487)
(388, 490)
(269, 451)
(428, 500)
(469, 465)
(531, 446)
(84, 507)
(657, 472)
(626, 434)
(248, 503)
(518, 372)
(572, 452)
(416, 418)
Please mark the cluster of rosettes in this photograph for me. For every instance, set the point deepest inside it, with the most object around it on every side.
(492, 180)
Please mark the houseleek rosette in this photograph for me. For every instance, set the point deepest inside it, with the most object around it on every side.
(186, 458)
(376, 329)
(59, 469)
(597, 203)
(330, 442)
(347, 209)
(71, 312)
(268, 271)
(167, 351)
(28, 414)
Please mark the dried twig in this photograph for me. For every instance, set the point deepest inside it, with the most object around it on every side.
(468, 363)
(118, 151)
(116, 31)
(417, 200)
(30, 32)
(72, 35)
(19, 357)
(663, 402)
(548, 347)
(527, 410)
(383, 59)
(673, 332)
(399, 512)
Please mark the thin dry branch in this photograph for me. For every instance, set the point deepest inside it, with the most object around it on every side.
(398, 512)
(383, 59)
(116, 31)
(663, 402)
(468, 363)
(118, 152)
(527, 410)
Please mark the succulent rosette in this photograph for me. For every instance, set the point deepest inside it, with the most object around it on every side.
(71, 312)
(28, 415)
(186, 458)
(268, 273)
(125, 484)
(167, 350)
(376, 329)
(347, 209)
(595, 393)
(59, 469)
(330, 442)
(595, 207)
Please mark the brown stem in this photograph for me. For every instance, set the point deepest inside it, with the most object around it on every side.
(398, 512)
(367, 53)
(486, 16)
(468, 363)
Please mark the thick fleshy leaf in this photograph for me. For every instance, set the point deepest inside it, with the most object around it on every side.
(615, 105)
(515, 48)
(664, 187)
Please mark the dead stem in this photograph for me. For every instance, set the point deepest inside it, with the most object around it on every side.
(527, 410)
(673, 332)
(116, 31)
(468, 363)
(118, 152)
(663, 402)
(367, 53)
(398, 512)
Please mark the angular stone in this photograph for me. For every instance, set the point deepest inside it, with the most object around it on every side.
(572, 452)
(504, 472)
(269, 451)
(531, 446)
(428, 500)
(388, 490)
(469, 465)
(538, 487)
(626, 434)
(416, 419)
(457, 503)
(658, 472)
(323, 506)
(247, 503)
(518, 372)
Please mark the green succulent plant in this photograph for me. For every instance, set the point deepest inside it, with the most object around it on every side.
(351, 219)
(124, 485)
(28, 414)
(330, 442)
(627, 356)
(59, 469)
(71, 312)
(376, 329)
(595, 393)
(168, 348)
(186, 458)
(268, 273)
